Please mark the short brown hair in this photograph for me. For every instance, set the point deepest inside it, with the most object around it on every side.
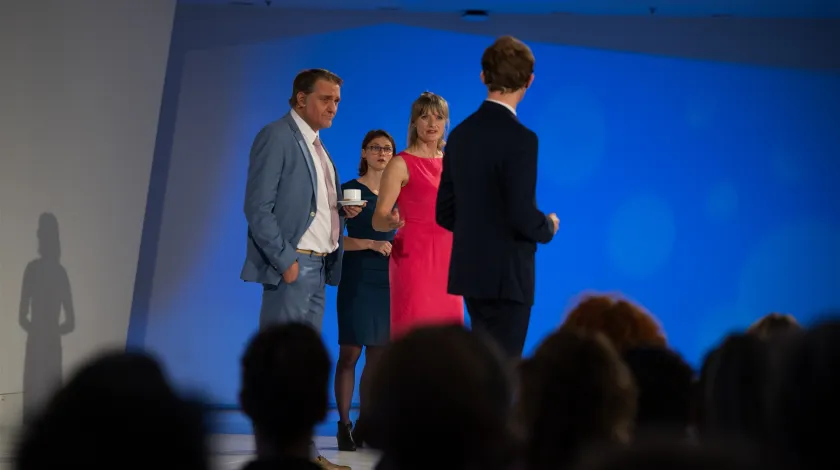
(305, 82)
(363, 165)
(507, 65)
(624, 323)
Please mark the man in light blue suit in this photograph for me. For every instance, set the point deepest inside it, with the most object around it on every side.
(295, 226)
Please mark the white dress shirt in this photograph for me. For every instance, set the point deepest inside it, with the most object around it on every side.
(318, 236)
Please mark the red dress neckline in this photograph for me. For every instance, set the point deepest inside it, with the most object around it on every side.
(421, 158)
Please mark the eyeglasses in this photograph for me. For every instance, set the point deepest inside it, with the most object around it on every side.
(378, 149)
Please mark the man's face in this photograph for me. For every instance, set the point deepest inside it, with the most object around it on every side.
(321, 104)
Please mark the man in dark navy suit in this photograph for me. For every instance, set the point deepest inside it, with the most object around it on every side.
(487, 199)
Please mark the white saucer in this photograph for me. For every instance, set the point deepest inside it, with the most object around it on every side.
(351, 203)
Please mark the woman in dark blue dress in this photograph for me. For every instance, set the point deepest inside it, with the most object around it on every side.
(363, 302)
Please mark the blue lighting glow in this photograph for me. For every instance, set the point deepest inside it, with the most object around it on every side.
(706, 191)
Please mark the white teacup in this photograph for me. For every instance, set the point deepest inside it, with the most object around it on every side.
(352, 194)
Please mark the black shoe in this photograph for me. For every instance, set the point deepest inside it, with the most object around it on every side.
(358, 435)
(345, 437)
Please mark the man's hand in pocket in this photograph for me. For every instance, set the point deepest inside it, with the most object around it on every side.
(291, 274)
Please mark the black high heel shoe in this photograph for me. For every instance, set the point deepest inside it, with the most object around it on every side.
(359, 434)
(344, 436)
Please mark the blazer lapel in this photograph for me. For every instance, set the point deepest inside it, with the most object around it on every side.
(304, 148)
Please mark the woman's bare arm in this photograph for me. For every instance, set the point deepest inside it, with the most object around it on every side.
(357, 244)
(394, 178)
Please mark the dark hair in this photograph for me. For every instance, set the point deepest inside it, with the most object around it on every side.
(442, 374)
(305, 82)
(733, 383)
(665, 383)
(575, 390)
(507, 65)
(664, 453)
(806, 395)
(285, 376)
(363, 165)
(773, 324)
(124, 403)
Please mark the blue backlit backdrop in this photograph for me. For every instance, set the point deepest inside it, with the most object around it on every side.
(703, 190)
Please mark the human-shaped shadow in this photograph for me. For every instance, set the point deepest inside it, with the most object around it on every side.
(44, 294)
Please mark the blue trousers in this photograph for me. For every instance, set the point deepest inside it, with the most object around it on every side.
(301, 301)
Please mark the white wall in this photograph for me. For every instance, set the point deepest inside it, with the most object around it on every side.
(80, 92)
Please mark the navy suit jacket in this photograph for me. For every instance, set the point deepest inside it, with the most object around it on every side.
(280, 203)
(487, 199)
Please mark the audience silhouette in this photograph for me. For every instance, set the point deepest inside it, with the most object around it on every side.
(604, 391)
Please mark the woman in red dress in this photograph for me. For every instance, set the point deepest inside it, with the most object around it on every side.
(419, 264)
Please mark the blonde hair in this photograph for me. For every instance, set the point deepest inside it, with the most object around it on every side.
(428, 103)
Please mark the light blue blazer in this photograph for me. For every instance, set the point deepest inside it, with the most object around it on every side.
(280, 204)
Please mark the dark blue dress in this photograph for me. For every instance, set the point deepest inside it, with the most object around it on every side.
(363, 302)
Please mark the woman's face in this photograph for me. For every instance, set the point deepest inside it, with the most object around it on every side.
(378, 153)
(430, 126)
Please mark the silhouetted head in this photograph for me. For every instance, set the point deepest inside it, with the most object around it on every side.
(575, 392)
(49, 245)
(123, 406)
(442, 394)
(804, 406)
(733, 382)
(670, 454)
(285, 376)
(666, 388)
(772, 325)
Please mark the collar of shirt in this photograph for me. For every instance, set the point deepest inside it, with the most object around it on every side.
(308, 134)
(509, 107)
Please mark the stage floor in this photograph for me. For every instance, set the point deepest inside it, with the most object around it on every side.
(232, 443)
(232, 451)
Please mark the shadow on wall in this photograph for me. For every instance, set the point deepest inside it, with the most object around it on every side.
(44, 294)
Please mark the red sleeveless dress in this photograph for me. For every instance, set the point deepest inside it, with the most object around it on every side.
(419, 265)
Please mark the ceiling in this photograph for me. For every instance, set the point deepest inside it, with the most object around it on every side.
(739, 8)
